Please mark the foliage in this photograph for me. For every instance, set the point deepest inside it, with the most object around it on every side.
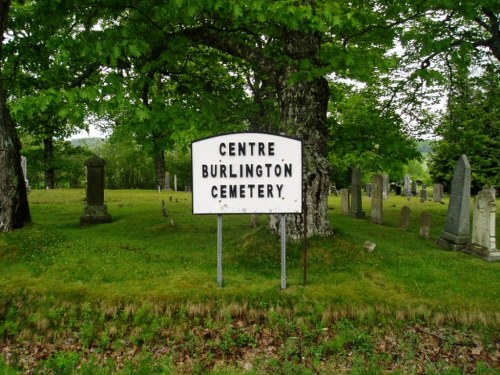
(472, 127)
(127, 165)
(68, 163)
(366, 134)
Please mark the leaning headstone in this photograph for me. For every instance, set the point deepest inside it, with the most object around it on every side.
(456, 234)
(344, 201)
(425, 225)
(483, 228)
(96, 212)
(437, 192)
(356, 208)
(377, 199)
(404, 220)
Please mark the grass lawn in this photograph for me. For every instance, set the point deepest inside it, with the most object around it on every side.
(143, 280)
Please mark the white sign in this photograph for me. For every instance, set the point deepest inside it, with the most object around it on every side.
(247, 173)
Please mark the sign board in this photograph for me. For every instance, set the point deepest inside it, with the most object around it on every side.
(242, 173)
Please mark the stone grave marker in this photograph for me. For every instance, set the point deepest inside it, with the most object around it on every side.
(456, 234)
(404, 220)
(24, 167)
(344, 201)
(423, 195)
(437, 192)
(377, 199)
(96, 212)
(356, 208)
(484, 225)
(414, 188)
(425, 225)
(386, 187)
(407, 185)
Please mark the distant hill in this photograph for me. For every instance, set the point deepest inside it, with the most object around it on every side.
(89, 142)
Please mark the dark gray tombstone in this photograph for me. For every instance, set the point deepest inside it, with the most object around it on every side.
(423, 195)
(456, 234)
(425, 225)
(96, 211)
(377, 198)
(404, 220)
(484, 226)
(414, 188)
(356, 196)
(398, 189)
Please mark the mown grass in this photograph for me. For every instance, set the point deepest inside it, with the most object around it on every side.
(145, 274)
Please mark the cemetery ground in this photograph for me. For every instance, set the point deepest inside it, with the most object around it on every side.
(139, 295)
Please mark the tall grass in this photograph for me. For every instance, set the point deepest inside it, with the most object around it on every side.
(143, 255)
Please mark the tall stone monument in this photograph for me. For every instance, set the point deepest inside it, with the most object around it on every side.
(377, 199)
(456, 235)
(483, 227)
(356, 198)
(96, 212)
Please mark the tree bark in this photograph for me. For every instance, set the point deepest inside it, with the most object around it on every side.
(160, 167)
(14, 207)
(304, 103)
(48, 156)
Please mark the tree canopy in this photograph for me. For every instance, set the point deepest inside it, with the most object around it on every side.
(164, 72)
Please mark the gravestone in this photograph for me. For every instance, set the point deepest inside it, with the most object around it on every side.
(96, 212)
(456, 234)
(423, 195)
(407, 185)
(437, 192)
(344, 201)
(356, 208)
(377, 199)
(425, 225)
(398, 189)
(175, 182)
(414, 188)
(386, 188)
(483, 228)
(404, 220)
(24, 168)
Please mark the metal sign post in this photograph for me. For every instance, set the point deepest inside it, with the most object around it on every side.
(220, 280)
(283, 251)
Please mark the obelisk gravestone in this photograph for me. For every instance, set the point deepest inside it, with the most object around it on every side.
(456, 234)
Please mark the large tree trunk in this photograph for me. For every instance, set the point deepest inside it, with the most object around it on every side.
(160, 168)
(48, 156)
(14, 207)
(304, 103)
